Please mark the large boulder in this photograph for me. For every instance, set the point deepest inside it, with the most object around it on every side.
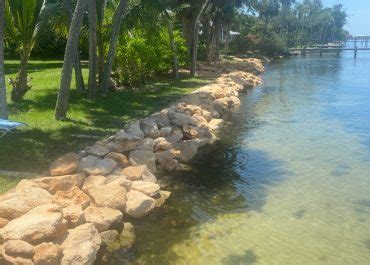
(102, 217)
(161, 119)
(15, 204)
(81, 245)
(59, 183)
(138, 173)
(148, 188)
(138, 204)
(181, 119)
(73, 196)
(124, 141)
(93, 165)
(97, 150)
(188, 149)
(121, 159)
(42, 223)
(65, 164)
(74, 216)
(47, 254)
(150, 128)
(111, 195)
(143, 157)
(18, 248)
(175, 136)
(133, 128)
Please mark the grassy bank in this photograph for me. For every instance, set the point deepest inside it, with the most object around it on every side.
(32, 148)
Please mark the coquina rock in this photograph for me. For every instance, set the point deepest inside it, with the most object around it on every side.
(175, 136)
(143, 157)
(97, 150)
(74, 215)
(148, 188)
(42, 223)
(73, 196)
(65, 164)
(24, 199)
(81, 245)
(102, 217)
(150, 128)
(93, 165)
(47, 254)
(139, 173)
(188, 149)
(58, 183)
(121, 159)
(138, 204)
(111, 195)
(133, 128)
(161, 119)
(124, 141)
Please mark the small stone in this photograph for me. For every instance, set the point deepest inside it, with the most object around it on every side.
(47, 254)
(97, 150)
(138, 204)
(102, 217)
(138, 173)
(73, 196)
(121, 159)
(215, 124)
(165, 131)
(148, 188)
(127, 236)
(161, 144)
(65, 164)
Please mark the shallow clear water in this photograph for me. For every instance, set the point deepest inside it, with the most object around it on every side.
(289, 182)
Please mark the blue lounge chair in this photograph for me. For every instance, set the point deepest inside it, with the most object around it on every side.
(7, 126)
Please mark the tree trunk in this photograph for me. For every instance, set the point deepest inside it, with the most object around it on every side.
(100, 41)
(69, 57)
(92, 48)
(20, 84)
(187, 25)
(174, 50)
(80, 85)
(227, 40)
(217, 40)
(117, 21)
(3, 105)
(194, 44)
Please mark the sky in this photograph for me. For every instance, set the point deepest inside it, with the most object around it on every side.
(358, 15)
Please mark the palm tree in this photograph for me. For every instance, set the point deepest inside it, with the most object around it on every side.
(3, 106)
(23, 19)
(69, 57)
(92, 48)
(116, 26)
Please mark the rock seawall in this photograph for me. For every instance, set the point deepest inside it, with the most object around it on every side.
(67, 217)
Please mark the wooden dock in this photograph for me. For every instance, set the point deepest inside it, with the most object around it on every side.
(304, 51)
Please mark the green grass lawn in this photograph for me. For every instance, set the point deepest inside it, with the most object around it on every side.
(32, 148)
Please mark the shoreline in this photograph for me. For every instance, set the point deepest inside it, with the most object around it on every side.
(89, 194)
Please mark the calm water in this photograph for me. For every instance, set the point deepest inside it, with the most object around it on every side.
(289, 182)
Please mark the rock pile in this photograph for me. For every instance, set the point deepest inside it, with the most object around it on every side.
(65, 218)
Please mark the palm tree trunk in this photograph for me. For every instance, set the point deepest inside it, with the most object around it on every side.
(20, 84)
(92, 48)
(194, 43)
(174, 50)
(117, 21)
(69, 57)
(100, 40)
(227, 40)
(80, 84)
(3, 105)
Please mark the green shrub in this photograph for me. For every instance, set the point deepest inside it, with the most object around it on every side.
(142, 54)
